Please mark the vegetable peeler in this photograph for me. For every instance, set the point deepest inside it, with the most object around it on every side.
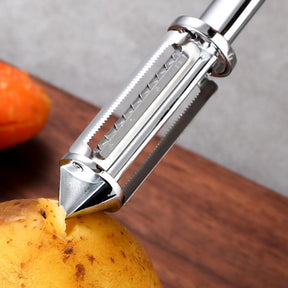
(101, 171)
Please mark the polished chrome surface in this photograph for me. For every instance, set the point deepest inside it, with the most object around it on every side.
(162, 89)
(81, 144)
(229, 17)
(158, 105)
(142, 102)
(207, 88)
(205, 34)
(86, 185)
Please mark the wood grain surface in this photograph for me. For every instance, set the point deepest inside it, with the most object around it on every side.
(202, 225)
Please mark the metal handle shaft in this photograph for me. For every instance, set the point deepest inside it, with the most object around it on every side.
(229, 17)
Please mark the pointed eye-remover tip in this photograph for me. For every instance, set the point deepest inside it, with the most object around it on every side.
(83, 190)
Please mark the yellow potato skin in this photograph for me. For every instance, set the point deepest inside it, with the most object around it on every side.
(40, 249)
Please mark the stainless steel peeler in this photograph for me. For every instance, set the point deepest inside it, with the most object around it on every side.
(166, 91)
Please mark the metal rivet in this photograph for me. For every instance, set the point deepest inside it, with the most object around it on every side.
(77, 166)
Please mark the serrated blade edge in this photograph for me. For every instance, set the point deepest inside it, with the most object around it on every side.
(108, 110)
(161, 149)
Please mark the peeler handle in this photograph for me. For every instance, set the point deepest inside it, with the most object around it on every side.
(229, 17)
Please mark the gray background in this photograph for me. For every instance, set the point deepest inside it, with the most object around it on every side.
(90, 47)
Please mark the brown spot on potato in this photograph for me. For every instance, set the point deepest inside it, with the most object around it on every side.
(65, 258)
(123, 253)
(21, 220)
(68, 250)
(112, 260)
(80, 271)
(20, 275)
(43, 213)
(91, 258)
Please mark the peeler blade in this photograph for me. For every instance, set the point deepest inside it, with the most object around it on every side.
(207, 89)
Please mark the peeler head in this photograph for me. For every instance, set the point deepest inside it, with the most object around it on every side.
(158, 94)
(84, 190)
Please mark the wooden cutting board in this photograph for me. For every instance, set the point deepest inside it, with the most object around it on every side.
(202, 225)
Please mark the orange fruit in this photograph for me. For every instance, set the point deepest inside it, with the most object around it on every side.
(24, 106)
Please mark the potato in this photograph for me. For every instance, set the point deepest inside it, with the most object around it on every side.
(24, 106)
(39, 248)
